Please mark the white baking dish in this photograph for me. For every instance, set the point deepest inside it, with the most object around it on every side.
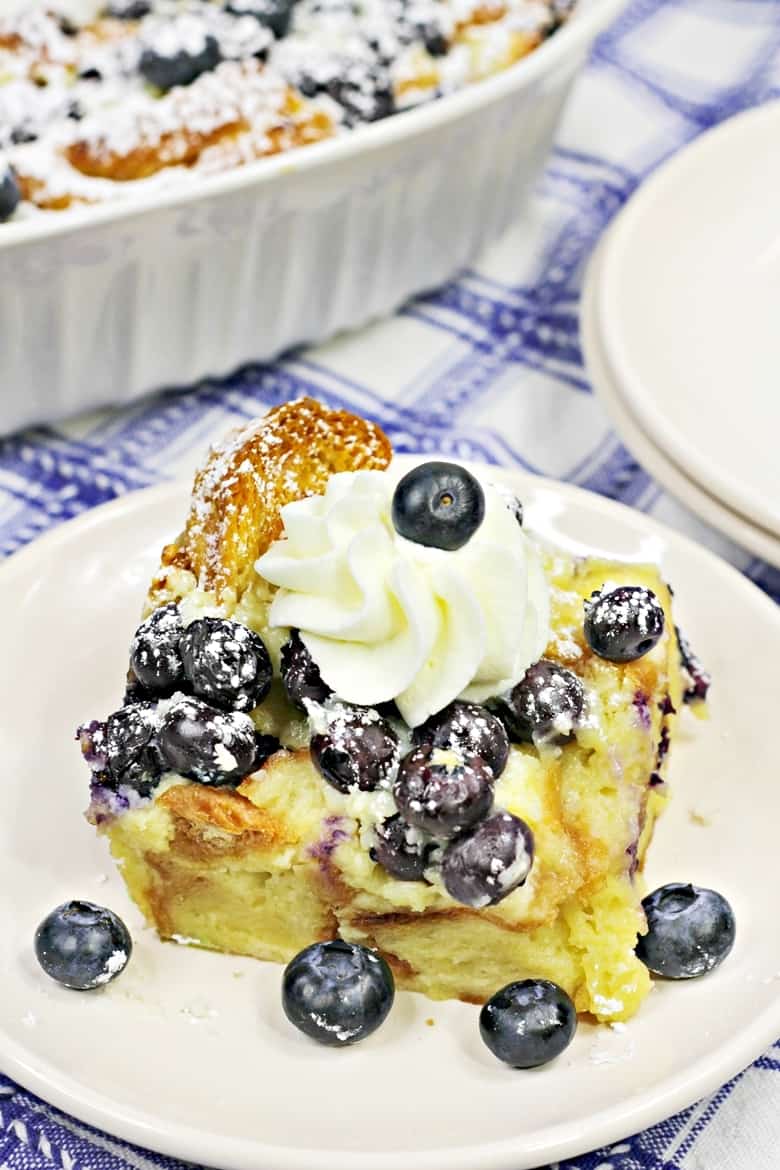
(100, 305)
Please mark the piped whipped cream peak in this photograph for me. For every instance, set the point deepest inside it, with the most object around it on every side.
(385, 618)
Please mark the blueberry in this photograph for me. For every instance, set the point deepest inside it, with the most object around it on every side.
(128, 9)
(226, 663)
(92, 741)
(83, 946)
(300, 674)
(624, 624)
(23, 133)
(154, 655)
(366, 100)
(133, 756)
(265, 747)
(443, 792)
(545, 705)
(490, 861)
(174, 57)
(135, 692)
(698, 679)
(403, 851)
(272, 14)
(470, 730)
(363, 90)
(359, 749)
(337, 992)
(440, 505)
(10, 195)
(528, 1023)
(206, 744)
(690, 931)
(434, 39)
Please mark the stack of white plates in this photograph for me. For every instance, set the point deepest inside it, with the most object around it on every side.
(681, 328)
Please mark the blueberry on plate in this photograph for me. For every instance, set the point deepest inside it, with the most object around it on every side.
(226, 663)
(10, 195)
(402, 850)
(155, 659)
(300, 674)
(528, 1023)
(272, 14)
(442, 792)
(624, 624)
(337, 992)
(358, 750)
(440, 505)
(486, 864)
(176, 52)
(132, 754)
(83, 946)
(545, 705)
(469, 729)
(206, 744)
(690, 931)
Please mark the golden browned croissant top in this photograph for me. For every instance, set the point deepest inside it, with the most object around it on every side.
(247, 478)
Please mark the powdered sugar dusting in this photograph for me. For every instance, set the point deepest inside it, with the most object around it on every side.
(325, 65)
(117, 961)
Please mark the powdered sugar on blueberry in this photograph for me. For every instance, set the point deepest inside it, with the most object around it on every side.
(624, 623)
(67, 83)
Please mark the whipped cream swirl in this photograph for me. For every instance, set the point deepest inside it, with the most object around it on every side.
(385, 618)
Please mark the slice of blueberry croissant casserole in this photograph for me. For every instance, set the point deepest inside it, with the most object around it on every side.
(370, 706)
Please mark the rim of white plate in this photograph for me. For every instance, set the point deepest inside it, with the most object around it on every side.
(713, 479)
(607, 388)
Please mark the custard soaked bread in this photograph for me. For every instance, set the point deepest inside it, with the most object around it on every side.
(372, 707)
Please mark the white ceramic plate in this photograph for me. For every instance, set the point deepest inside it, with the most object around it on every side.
(189, 1052)
(688, 307)
(759, 541)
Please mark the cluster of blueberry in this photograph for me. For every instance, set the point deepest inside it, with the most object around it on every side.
(190, 691)
(360, 85)
(338, 992)
(186, 706)
(444, 786)
(181, 64)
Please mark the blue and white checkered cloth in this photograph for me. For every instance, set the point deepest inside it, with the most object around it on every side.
(488, 368)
